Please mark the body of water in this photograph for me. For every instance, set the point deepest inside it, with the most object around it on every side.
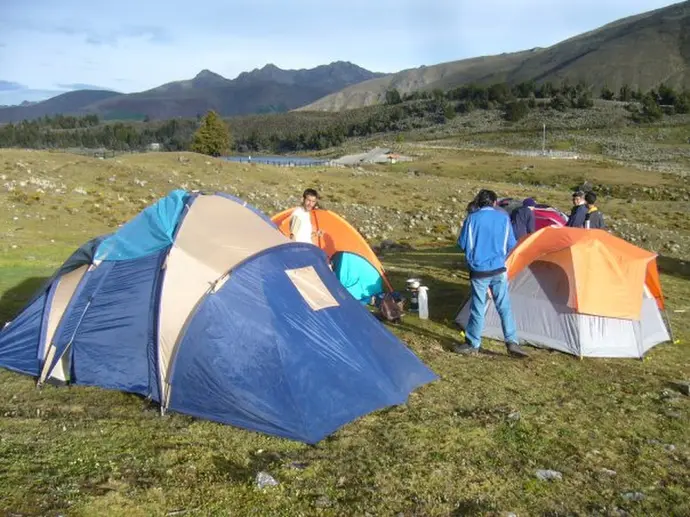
(277, 160)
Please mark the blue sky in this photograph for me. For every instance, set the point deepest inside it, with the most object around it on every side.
(51, 46)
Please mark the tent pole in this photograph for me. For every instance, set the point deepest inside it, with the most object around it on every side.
(388, 284)
(668, 325)
(316, 221)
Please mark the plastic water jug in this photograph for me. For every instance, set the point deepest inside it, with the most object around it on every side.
(423, 302)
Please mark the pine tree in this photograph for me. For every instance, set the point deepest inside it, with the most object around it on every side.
(213, 136)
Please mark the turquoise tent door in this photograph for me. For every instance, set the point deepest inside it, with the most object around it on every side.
(357, 275)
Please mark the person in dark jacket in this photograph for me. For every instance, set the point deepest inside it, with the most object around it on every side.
(487, 239)
(593, 218)
(579, 211)
(522, 218)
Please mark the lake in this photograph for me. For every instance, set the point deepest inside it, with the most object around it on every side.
(277, 160)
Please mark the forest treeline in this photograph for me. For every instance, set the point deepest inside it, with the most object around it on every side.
(311, 131)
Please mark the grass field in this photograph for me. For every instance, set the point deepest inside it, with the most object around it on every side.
(468, 444)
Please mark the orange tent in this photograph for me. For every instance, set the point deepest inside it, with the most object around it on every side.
(607, 274)
(582, 291)
(338, 236)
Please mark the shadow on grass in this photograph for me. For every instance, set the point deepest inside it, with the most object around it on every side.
(15, 298)
(674, 267)
(241, 472)
(473, 507)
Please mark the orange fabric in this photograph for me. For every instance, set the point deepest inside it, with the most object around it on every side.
(338, 235)
(654, 283)
(608, 273)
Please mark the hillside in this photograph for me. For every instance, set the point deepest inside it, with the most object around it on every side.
(70, 102)
(641, 51)
(372, 92)
(264, 90)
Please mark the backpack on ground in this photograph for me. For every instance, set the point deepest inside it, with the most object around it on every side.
(390, 308)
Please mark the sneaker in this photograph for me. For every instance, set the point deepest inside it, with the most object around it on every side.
(516, 350)
(465, 349)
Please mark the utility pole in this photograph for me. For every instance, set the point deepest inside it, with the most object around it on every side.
(543, 141)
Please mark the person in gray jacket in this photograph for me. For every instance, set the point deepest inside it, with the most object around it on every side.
(593, 218)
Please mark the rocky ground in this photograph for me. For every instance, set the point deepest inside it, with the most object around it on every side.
(411, 207)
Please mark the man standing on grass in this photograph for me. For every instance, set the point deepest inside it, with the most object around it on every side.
(523, 219)
(487, 238)
(300, 221)
(579, 211)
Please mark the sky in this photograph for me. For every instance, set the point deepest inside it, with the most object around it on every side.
(48, 47)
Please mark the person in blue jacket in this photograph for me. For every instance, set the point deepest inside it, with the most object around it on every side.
(579, 211)
(523, 219)
(487, 238)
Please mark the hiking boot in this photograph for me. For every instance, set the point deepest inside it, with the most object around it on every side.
(516, 350)
(465, 349)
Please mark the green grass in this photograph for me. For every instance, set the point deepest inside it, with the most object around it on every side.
(468, 444)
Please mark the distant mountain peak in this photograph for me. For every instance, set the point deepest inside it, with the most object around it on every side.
(207, 74)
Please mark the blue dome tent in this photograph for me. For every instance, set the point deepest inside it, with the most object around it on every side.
(201, 304)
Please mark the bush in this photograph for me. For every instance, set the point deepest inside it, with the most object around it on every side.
(560, 103)
(516, 110)
(650, 111)
(607, 94)
(584, 101)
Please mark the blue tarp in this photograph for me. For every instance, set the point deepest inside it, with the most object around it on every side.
(152, 230)
(256, 355)
(357, 275)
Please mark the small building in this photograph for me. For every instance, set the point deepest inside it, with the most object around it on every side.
(154, 147)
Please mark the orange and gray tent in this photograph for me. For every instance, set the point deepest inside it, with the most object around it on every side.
(583, 292)
(354, 262)
(201, 304)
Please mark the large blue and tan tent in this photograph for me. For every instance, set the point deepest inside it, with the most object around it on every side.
(201, 304)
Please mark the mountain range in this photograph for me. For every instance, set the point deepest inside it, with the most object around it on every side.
(640, 51)
(265, 90)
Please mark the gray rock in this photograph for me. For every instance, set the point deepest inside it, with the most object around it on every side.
(264, 479)
(634, 496)
(549, 475)
(322, 502)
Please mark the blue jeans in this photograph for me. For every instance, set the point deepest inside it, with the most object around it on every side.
(498, 284)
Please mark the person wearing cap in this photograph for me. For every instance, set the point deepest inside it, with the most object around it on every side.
(522, 218)
(579, 211)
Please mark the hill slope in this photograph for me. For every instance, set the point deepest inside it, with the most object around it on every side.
(641, 51)
(268, 89)
(70, 102)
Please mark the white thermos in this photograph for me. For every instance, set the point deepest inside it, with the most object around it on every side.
(423, 302)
